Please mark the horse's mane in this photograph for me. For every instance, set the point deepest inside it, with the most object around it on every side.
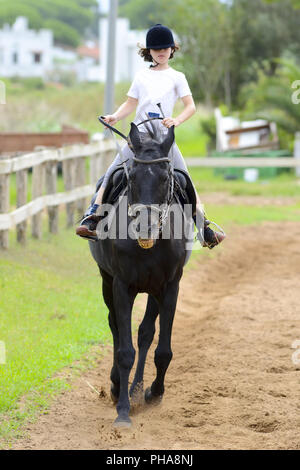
(155, 131)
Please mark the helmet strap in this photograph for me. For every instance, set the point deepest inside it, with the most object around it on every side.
(156, 63)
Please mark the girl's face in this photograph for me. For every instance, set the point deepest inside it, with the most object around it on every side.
(161, 56)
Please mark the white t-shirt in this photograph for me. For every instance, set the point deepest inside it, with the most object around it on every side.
(152, 86)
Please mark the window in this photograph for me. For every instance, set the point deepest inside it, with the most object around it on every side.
(37, 57)
(15, 57)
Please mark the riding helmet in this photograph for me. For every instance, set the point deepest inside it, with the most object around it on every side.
(159, 37)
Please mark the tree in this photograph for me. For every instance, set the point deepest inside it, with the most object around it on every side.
(142, 14)
(276, 98)
(70, 18)
(63, 33)
(9, 12)
(203, 30)
(261, 33)
(294, 3)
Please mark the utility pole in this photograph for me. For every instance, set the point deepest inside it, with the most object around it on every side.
(111, 58)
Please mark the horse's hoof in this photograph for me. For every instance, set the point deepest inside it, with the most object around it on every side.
(124, 423)
(136, 394)
(151, 399)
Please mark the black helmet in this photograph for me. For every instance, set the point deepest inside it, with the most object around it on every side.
(159, 37)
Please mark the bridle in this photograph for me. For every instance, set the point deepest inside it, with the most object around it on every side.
(164, 212)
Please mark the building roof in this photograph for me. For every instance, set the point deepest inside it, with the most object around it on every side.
(87, 51)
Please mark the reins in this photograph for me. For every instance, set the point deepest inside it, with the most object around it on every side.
(111, 128)
(165, 211)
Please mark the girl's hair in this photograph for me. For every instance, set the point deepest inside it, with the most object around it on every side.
(145, 52)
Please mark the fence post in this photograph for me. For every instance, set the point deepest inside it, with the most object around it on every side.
(80, 180)
(38, 178)
(100, 162)
(108, 157)
(69, 167)
(297, 152)
(94, 169)
(4, 208)
(51, 188)
(21, 180)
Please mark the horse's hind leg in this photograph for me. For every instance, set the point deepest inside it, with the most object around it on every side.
(108, 299)
(163, 353)
(145, 338)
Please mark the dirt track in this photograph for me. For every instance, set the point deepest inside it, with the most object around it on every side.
(231, 384)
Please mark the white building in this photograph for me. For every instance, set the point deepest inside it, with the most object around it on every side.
(24, 52)
(128, 62)
(28, 53)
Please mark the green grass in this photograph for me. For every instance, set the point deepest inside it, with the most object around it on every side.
(189, 138)
(46, 109)
(283, 185)
(248, 215)
(51, 314)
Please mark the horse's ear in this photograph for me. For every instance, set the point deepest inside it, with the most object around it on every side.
(134, 136)
(169, 140)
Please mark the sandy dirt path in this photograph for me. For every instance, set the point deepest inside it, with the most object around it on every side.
(231, 383)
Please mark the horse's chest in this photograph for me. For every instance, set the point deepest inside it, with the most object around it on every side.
(149, 270)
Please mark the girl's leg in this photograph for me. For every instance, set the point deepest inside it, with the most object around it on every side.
(207, 237)
(126, 154)
(99, 196)
(87, 228)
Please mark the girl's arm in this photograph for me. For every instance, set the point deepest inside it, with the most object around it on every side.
(123, 111)
(189, 110)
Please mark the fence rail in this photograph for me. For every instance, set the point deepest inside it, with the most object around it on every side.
(44, 165)
(244, 162)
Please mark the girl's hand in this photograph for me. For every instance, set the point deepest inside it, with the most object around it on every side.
(169, 122)
(110, 119)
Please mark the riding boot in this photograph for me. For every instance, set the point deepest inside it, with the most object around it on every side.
(88, 225)
(206, 236)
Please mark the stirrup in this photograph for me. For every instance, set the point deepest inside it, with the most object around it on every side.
(212, 244)
(92, 238)
(216, 225)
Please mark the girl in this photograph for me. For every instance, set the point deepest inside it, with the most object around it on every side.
(158, 84)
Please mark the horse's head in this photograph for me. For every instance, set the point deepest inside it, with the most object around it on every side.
(150, 180)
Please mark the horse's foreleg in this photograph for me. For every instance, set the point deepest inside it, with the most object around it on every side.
(107, 291)
(145, 338)
(123, 301)
(163, 352)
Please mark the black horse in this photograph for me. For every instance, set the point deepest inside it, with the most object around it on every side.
(153, 265)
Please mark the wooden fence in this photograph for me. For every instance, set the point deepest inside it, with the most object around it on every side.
(44, 164)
